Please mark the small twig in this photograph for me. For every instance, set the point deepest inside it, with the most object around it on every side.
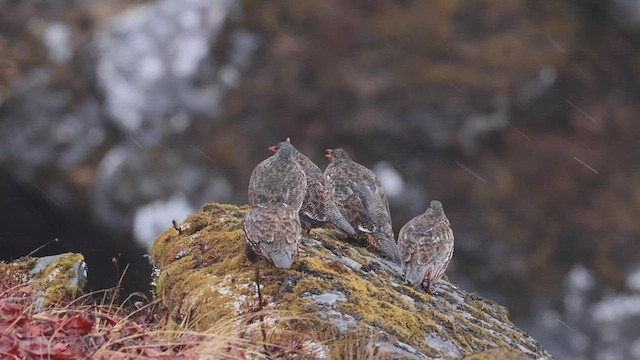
(116, 289)
(42, 246)
(175, 226)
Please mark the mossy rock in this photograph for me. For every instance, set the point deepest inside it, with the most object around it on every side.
(340, 300)
(52, 278)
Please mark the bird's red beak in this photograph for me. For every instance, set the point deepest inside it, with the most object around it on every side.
(328, 153)
(272, 148)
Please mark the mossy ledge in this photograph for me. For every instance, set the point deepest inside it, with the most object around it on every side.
(338, 301)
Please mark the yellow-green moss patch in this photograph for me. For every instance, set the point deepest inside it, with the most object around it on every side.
(56, 281)
(502, 353)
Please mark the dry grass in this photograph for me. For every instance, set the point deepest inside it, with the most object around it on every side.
(97, 326)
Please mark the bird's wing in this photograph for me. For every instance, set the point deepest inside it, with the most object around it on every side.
(434, 241)
(408, 242)
(272, 223)
(256, 183)
(376, 208)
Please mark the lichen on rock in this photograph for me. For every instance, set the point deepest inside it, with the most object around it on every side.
(338, 300)
(52, 278)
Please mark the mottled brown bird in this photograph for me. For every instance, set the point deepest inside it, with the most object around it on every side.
(426, 247)
(319, 206)
(276, 190)
(278, 179)
(273, 232)
(361, 200)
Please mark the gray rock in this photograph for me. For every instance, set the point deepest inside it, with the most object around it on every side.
(56, 277)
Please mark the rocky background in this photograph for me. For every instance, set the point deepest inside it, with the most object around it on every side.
(520, 116)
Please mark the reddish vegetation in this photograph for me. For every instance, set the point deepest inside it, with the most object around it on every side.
(80, 328)
(86, 328)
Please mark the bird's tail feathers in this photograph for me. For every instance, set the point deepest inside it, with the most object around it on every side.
(282, 259)
(390, 248)
(414, 274)
(340, 222)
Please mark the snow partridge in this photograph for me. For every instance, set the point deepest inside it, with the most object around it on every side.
(272, 226)
(426, 247)
(278, 179)
(361, 200)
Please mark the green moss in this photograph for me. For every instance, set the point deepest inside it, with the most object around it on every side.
(417, 294)
(208, 250)
(22, 266)
(53, 282)
(329, 238)
(313, 284)
(378, 306)
(314, 266)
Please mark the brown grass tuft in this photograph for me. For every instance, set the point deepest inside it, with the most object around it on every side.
(98, 326)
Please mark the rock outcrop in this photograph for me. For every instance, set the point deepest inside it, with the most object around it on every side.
(339, 300)
(51, 278)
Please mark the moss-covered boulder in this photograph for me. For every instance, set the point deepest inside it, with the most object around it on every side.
(51, 278)
(339, 300)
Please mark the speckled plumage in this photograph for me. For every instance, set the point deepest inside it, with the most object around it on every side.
(362, 201)
(278, 179)
(276, 190)
(273, 231)
(426, 247)
(319, 206)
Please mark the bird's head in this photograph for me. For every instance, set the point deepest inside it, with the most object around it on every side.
(275, 148)
(336, 155)
(435, 207)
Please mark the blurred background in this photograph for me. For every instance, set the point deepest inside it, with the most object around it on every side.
(522, 117)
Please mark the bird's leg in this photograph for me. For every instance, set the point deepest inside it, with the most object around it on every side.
(427, 286)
